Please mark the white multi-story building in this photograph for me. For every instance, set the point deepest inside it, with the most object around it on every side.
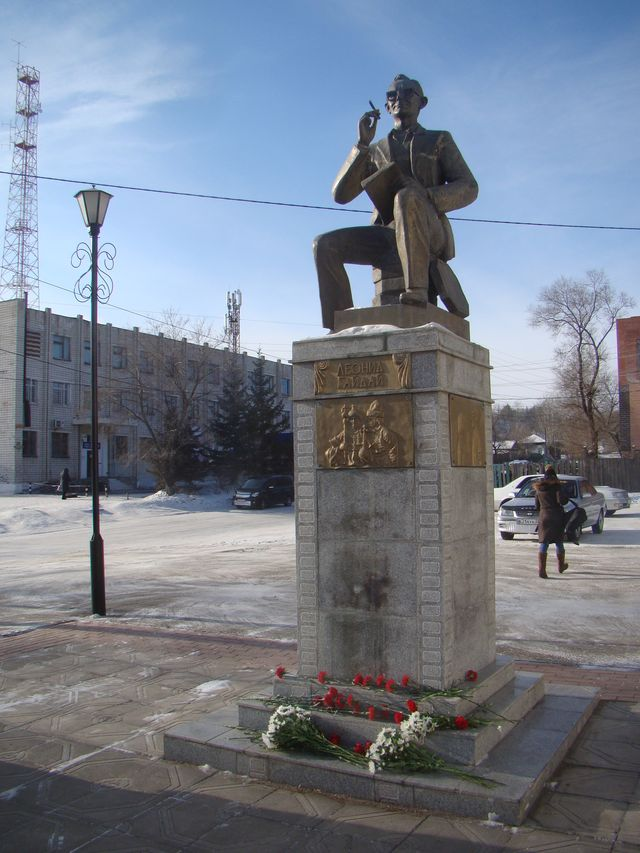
(45, 394)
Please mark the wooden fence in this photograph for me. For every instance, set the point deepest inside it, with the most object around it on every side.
(619, 473)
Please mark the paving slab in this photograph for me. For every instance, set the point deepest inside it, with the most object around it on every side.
(60, 792)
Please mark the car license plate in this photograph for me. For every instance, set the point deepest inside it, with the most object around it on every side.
(528, 520)
(242, 502)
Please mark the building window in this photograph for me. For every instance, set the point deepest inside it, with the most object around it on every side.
(171, 401)
(214, 374)
(194, 410)
(31, 391)
(285, 386)
(60, 445)
(270, 382)
(146, 362)
(146, 403)
(29, 443)
(192, 369)
(213, 407)
(120, 448)
(61, 393)
(86, 352)
(118, 357)
(61, 348)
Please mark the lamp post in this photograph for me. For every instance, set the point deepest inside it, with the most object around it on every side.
(93, 206)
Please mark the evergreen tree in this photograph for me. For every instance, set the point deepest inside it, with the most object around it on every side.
(229, 428)
(266, 423)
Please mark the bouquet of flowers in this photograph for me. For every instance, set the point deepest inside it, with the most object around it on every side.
(401, 749)
(291, 728)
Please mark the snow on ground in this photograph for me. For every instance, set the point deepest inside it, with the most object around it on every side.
(195, 563)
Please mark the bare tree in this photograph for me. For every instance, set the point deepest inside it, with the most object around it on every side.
(167, 391)
(176, 326)
(581, 314)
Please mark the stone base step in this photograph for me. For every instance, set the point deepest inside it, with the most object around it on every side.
(520, 764)
(469, 746)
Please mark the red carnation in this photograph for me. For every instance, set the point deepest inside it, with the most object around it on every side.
(356, 707)
(334, 739)
(322, 676)
(350, 700)
(371, 712)
(471, 675)
(280, 671)
(328, 701)
(411, 705)
(389, 685)
(405, 680)
(333, 691)
(357, 678)
(461, 722)
(398, 717)
(367, 744)
(380, 681)
(359, 748)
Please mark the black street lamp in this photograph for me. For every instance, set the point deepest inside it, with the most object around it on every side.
(93, 206)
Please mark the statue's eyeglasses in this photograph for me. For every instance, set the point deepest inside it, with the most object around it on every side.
(396, 93)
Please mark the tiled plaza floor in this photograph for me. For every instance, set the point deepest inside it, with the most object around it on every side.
(84, 705)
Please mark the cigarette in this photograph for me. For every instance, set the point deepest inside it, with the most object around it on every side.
(375, 109)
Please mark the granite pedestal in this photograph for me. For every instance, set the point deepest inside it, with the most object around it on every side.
(395, 577)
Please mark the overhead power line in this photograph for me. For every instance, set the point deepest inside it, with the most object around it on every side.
(241, 200)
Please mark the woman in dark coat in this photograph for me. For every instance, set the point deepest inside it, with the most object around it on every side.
(549, 501)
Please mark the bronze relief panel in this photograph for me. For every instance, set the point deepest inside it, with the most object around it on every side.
(374, 373)
(467, 432)
(365, 432)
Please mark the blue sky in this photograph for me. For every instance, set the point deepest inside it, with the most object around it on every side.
(261, 101)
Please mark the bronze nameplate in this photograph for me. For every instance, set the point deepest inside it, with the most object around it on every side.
(379, 373)
(368, 432)
(467, 432)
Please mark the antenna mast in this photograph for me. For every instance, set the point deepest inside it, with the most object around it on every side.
(20, 266)
(232, 320)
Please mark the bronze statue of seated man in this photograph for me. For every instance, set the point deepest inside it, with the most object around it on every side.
(414, 177)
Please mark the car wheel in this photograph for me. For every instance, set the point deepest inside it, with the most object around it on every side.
(506, 535)
(598, 527)
(259, 504)
(609, 513)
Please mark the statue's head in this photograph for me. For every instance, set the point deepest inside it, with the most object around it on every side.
(405, 95)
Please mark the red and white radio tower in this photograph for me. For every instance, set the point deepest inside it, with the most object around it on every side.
(20, 268)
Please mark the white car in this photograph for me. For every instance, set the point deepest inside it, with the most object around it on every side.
(614, 499)
(505, 493)
(519, 516)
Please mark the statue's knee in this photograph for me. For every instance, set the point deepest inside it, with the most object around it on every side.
(319, 245)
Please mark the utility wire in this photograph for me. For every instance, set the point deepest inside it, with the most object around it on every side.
(320, 206)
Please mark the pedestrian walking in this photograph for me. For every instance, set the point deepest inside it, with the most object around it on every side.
(551, 519)
(65, 480)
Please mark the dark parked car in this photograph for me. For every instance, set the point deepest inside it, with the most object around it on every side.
(260, 492)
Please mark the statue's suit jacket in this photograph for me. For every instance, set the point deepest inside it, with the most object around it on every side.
(437, 165)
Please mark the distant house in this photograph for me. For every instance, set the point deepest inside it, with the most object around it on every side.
(534, 445)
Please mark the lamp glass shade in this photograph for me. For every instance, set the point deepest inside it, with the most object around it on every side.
(93, 206)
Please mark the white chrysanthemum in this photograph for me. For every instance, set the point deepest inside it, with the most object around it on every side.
(372, 767)
(267, 741)
(417, 726)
